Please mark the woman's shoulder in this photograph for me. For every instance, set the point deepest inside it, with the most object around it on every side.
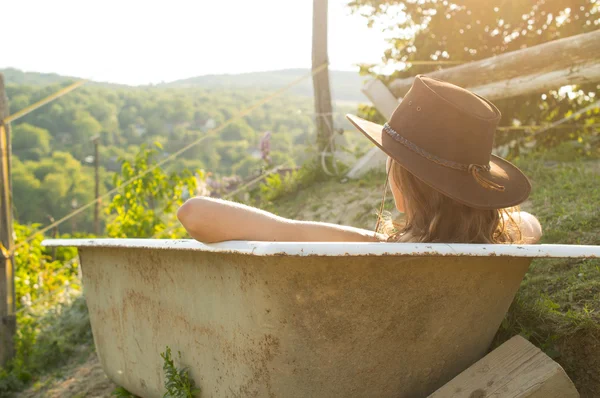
(529, 226)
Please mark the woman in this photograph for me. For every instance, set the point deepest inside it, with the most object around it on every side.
(440, 170)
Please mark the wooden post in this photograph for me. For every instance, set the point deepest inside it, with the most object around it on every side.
(54, 235)
(323, 109)
(572, 60)
(95, 140)
(8, 322)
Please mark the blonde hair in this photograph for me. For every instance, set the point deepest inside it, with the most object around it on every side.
(431, 216)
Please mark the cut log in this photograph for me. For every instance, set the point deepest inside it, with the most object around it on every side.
(381, 97)
(385, 102)
(516, 369)
(572, 60)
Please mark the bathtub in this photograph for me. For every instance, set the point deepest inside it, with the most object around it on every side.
(306, 320)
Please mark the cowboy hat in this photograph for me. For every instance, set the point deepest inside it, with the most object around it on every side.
(443, 134)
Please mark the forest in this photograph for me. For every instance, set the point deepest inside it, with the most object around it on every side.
(53, 152)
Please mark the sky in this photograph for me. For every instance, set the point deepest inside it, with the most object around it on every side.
(145, 41)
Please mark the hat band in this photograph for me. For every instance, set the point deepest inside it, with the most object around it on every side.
(473, 169)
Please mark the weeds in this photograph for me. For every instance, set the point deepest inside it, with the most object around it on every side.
(45, 342)
(52, 316)
(177, 381)
(121, 392)
(276, 187)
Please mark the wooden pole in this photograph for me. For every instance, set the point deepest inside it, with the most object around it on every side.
(572, 60)
(54, 235)
(322, 93)
(95, 140)
(8, 322)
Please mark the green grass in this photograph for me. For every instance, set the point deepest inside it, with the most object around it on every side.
(44, 343)
(566, 200)
(558, 305)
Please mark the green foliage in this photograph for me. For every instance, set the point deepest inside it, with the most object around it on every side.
(461, 31)
(177, 381)
(36, 274)
(139, 208)
(370, 113)
(275, 186)
(559, 300)
(53, 155)
(48, 336)
(30, 142)
(467, 30)
(53, 187)
(52, 317)
(121, 392)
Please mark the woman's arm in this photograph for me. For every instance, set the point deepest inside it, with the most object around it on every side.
(214, 220)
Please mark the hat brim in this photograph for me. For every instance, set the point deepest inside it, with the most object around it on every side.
(457, 184)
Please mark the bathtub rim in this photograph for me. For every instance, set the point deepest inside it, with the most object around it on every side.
(327, 249)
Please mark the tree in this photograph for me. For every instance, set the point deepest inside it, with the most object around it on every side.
(467, 30)
(30, 142)
(237, 130)
(442, 31)
(26, 193)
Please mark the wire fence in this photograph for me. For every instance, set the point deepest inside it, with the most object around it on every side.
(27, 110)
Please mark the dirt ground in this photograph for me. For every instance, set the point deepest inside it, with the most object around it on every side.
(78, 381)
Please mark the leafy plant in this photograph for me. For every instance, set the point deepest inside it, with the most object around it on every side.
(36, 273)
(275, 186)
(140, 208)
(121, 392)
(177, 381)
(52, 317)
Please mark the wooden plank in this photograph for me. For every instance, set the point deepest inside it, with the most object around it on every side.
(516, 369)
(572, 60)
(385, 102)
(375, 158)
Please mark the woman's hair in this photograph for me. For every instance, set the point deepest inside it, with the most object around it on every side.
(431, 216)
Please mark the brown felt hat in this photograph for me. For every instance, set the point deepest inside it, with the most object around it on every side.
(443, 134)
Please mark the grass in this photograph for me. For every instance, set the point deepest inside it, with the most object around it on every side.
(47, 342)
(565, 200)
(558, 304)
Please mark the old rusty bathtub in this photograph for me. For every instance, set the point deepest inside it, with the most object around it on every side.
(289, 320)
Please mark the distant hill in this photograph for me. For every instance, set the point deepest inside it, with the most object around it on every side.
(16, 76)
(345, 86)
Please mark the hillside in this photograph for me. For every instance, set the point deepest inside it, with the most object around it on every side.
(16, 76)
(345, 85)
(53, 152)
